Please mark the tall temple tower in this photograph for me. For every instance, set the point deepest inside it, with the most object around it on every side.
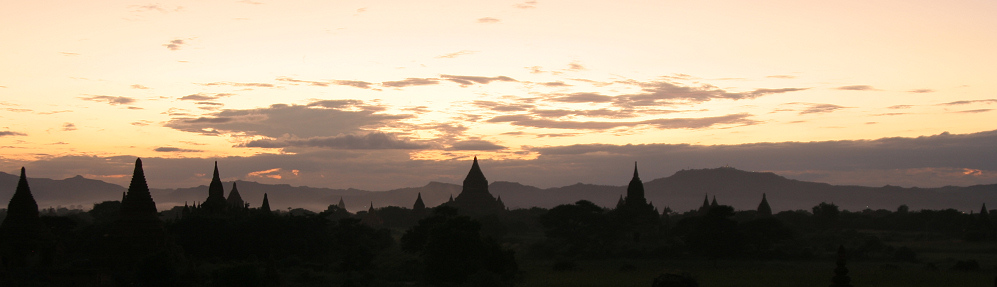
(24, 239)
(635, 190)
(139, 232)
(474, 198)
(216, 202)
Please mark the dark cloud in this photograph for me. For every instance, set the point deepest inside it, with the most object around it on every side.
(921, 91)
(667, 93)
(68, 127)
(927, 161)
(174, 149)
(582, 98)
(411, 82)
(374, 140)
(314, 120)
(470, 80)
(456, 54)
(10, 133)
(488, 20)
(966, 102)
(856, 88)
(110, 99)
(673, 123)
(973, 151)
(476, 145)
(174, 44)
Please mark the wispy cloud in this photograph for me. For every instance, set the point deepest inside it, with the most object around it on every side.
(373, 140)
(671, 123)
(921, 91)
(967, 102)
(174, 44)
(175, 149)
(456, 54)
(140, 87)
(110, 100)
(10, 133)
(481, 145)
(488, 20)
(279, 120)
(203, 97)
(526, 5)
(411, 82)
(68, 127)
(155, 8)
(975, 111)
(814, 108)
(781, 77)
(856, 88)
(234, 84)
(470, 80)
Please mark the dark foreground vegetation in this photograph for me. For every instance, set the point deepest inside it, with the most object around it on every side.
(223, 242)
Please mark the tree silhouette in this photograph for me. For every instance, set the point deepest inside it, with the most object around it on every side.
(452, 248)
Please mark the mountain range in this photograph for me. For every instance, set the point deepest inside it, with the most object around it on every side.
(682, 191)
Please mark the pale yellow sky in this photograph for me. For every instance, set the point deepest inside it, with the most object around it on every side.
(443, 80)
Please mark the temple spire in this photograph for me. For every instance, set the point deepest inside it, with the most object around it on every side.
(215, 203)
(419, 205)
(266, 203)
(22, 232)
(341, 204)
(635, 191)
(234, 198)
(763, 208)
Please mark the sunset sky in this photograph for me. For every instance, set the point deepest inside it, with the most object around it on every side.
(387, 94)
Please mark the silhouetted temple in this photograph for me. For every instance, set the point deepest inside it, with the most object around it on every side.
(342, 204)
(635, 210)
(419, 205)
(24, 240)
(372, 218)
(234, 199)
(266, 203)
(474, 197)
(763, 208)
(216, 202)
(138, 235)
(705, 208)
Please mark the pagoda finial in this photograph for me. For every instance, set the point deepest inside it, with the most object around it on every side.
(635, 170)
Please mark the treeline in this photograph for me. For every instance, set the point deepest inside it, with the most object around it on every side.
(392, 245)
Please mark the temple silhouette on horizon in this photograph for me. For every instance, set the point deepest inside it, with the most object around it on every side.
(474, 198)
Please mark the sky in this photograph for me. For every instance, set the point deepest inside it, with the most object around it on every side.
(380, 95)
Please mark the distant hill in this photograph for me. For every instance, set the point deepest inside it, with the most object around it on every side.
(65, 192)
(682, 191)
